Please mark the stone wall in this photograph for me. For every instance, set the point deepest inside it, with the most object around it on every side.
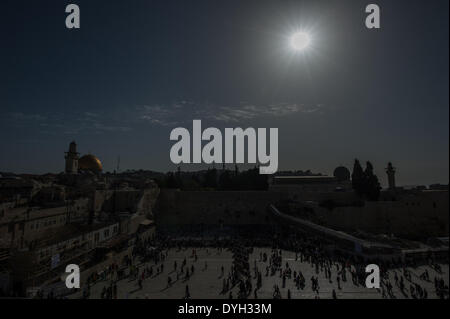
(419, 215)
(176, 207)
(131, 201)
(422, 214)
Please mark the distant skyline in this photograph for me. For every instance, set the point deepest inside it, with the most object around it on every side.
(137, 69)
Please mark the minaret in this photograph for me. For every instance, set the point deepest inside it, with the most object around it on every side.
(72, 159)
(390, 171)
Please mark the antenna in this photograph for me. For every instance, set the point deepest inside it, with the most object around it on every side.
(118, 164)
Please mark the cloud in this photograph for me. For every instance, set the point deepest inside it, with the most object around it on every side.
(175, 114)
(160, 115)
(19, 116)
(91, 115)
(186, 111)
(69, 123)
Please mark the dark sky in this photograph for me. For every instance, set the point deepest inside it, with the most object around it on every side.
(137, 69)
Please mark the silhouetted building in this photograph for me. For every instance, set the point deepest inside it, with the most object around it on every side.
(390, 171)
(72, 159)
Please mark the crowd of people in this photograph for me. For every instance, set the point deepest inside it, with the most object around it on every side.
(334, 269)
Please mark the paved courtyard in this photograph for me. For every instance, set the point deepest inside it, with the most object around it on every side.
(207, 282)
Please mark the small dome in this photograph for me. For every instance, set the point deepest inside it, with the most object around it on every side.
(90, 163)
(342, 173)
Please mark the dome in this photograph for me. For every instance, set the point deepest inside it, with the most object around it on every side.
(90, 163)
(342, 173)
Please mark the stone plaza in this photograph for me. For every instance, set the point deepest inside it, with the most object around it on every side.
(206, 281)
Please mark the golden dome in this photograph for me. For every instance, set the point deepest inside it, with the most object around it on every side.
(90, 163)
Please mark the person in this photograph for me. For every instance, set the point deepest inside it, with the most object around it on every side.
(334, 294)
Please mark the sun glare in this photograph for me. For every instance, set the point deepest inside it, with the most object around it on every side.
(300, 41)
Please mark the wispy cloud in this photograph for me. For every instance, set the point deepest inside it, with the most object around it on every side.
(68, 123)
(160, 115)
(185, 111)
(19, 116)
(178, 113)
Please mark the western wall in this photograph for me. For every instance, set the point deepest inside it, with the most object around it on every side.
(423, 213)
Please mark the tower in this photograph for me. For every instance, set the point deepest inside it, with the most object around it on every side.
(72, 159)
(390, 171)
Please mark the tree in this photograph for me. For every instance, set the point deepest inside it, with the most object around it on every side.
(365, 183)
(372, 184)
(358, 178)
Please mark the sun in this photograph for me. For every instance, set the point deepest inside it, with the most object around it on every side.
(300, 41)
